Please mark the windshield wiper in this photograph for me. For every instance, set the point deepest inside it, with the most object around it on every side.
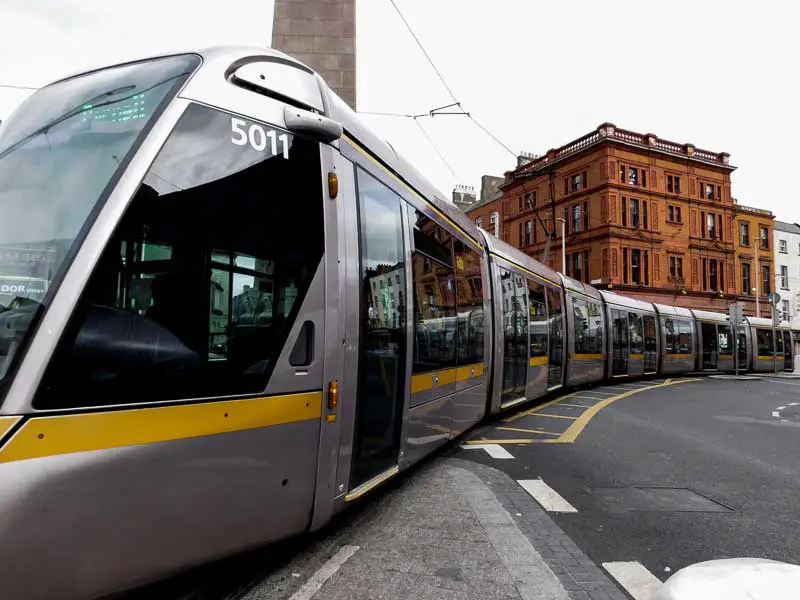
(89, 104)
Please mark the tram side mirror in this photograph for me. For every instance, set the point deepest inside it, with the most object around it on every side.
(317, 127)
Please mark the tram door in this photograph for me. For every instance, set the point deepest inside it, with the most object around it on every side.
(650, 344)
(555, 315)
(515, 336)
(382, 360)
(742, 348)
(619, 341)
(708, 332)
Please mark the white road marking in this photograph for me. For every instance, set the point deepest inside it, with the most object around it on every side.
(776, 414)
(781, 408)
(494, 450)
(318, 579)
(550, 500)
(635, 578)
(793, 403)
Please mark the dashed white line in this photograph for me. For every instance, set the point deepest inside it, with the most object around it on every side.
(793, 403)
(781, 408)
(494, 450)
(550, 500)
(635, 578)
(776, 414)
(325, 572)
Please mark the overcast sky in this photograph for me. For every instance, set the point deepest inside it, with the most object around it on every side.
(537, 74)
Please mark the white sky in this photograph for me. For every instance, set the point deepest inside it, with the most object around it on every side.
(537, 74)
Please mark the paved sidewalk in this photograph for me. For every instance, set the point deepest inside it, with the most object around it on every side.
(454, 529)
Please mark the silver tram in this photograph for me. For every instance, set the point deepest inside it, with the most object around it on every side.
(233, 310)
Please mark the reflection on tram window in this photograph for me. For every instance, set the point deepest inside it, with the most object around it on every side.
(197, 291)
(764, 342)
(725, 340)
(684, 331)
(434, 297)
(515, 335)
(636, 333)
(588, 326)
(555, 357)
(538, 318)
(469, 291)
(619, 331)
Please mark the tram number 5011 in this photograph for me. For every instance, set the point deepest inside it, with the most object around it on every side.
(258, 138)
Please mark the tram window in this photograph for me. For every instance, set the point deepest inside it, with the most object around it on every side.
(556, 354)
(636, 333)
(588, 326)
(725, 340)
(684, 329)
(196, 292)
(435, 329)
(538, 318)
(469, 292)
(764, 342)
(671, 334)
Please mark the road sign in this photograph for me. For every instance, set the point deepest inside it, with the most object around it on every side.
(774, 298)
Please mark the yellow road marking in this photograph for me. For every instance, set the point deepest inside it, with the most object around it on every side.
(574, 430)
(538, 414)
(667, 381)
(577, 405)
(485, 441)
(520, 429)
(513, 418)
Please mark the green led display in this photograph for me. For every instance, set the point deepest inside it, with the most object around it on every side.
(132, 108)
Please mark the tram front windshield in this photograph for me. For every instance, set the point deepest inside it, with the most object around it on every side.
(61, 153)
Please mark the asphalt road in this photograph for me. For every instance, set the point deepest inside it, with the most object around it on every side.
(723, 457)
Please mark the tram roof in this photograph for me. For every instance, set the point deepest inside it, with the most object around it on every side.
(707, 315)
(514, 255)
(674, 311)
(626, 301)
(580, 287)
(760, 322)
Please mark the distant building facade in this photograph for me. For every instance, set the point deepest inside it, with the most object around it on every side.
(642, 216)
(786, 239)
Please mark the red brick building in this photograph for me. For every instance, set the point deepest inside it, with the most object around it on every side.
(642, 216)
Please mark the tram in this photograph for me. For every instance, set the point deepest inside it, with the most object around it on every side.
(236, 310)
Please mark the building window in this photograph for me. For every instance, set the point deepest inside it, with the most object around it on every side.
(784, 277)
(644, 214)
(633, 176)
(528, 232)
(636, 275)
(712, 276)
(577, 266)
(746, 289)
(782, 247)
(673, 184)
(710, 226)
(644, 177)
(702, 224)
(673, 213)
(676, 268)
(521, 234)
(785, 310)
(744, 233)
(764, 235)
(704, 274)
(624, 211)
(577, 221)
(519, 204)
(534, 198)
(478, 221)
(707, 190)
(528, 201)
(624, 265)
(622, 174)
(766, 288)
(634, 212)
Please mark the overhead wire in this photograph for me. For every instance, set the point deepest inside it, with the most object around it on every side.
(17, 87)
(444, 160)
(456, 102)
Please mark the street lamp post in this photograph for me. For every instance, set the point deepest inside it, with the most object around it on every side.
(563, 245)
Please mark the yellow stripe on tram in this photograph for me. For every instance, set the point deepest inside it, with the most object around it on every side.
(65, 434)
(537, 361)
(425, 381)
(6, 423)
(588, 357)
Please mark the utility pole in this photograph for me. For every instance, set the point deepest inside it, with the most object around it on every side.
(757, 274)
